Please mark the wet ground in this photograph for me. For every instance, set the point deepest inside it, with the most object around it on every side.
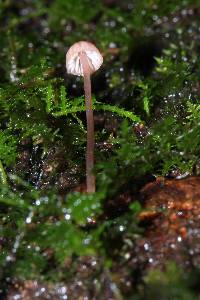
(171, 232)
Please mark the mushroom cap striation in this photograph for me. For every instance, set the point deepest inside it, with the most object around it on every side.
(73, 63)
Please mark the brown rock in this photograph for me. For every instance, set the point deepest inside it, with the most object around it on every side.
(173, 231)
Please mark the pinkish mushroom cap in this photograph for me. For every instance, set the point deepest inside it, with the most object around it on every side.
(73, 63)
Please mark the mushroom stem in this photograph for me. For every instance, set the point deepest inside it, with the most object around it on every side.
(90, 178)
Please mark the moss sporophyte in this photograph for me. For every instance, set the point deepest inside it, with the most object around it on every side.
(83, 59)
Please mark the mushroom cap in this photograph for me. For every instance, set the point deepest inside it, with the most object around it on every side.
(73, 63)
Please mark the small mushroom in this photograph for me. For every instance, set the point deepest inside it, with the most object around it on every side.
(83, 59)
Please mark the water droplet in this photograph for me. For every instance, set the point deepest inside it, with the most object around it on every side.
(17, 297)
(151, 260)
(112, 45)
(10, 258)
(146, 246)
(173, 246)
(179, 239)
(29, 218)
(62, 290)
(13, 72)
(127, 255)
(67, 217)
(86, 241)
(37, 202)
(121, 228)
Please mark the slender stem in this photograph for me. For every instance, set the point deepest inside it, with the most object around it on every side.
(2, 174)
(90, 178)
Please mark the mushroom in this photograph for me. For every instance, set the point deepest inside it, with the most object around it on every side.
(83, 59)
